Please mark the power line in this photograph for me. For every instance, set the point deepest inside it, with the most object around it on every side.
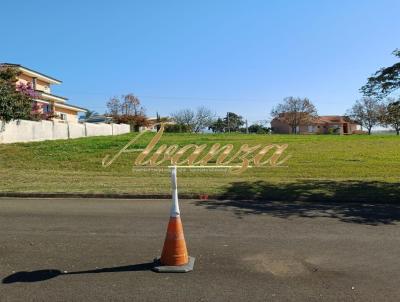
(195, 98)
(223, 99)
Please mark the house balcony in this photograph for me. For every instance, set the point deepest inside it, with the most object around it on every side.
(50, 97)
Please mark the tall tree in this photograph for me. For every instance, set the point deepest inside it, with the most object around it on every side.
(367, 112)
(114, 107)
(391, 114)
(384, 81)
(233, 122)
(131, 105)
(295, 112)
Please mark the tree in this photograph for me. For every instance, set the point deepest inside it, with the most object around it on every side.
(367, 112)
(135, 121)
(177, 128)
(295, 112)
(233, 122)
(259, 129)
(204, 118)
(90, 113)
(15, 100)
(158, 121)
(384, 81)
(218, 126)
(114, 107)
(195, 121)
(127, 109)
(185, 117)
(131, 105)
(37, 113)
(391, 115)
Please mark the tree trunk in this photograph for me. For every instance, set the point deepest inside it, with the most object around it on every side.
(397, 131)
(369, 130)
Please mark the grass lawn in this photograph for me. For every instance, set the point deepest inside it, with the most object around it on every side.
(321, 167)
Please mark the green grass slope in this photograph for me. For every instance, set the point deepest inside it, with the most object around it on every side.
(335, 168)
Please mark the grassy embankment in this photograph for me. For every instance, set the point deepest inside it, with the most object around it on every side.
(335, 168)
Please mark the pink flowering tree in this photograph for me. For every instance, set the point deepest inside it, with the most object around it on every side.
(37, 112)
(15, 103)
(27, 90)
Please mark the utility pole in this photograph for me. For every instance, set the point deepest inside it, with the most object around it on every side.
(247, 127)
(229, 128)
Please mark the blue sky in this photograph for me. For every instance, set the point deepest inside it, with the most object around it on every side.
(240, 56)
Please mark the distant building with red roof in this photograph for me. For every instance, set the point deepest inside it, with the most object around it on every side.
(326, 124)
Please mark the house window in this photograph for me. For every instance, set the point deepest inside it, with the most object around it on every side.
(34, 83)
(310, 128)
(47, 108)
(63, 116)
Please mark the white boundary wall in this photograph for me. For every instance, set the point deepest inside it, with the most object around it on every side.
(31, 131)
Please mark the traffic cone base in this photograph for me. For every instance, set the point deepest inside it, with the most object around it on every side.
(159, 268)
(174, 256)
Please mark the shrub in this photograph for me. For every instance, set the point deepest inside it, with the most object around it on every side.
(177, 128)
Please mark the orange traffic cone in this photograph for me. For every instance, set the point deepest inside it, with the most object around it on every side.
(174, 250)
(174, 256)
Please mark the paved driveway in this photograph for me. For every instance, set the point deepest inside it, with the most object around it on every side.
(101, 250)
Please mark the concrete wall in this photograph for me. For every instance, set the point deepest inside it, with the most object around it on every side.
(60, 131)
(29, 131)
(98, 129)
(120, 128)
(76, 130)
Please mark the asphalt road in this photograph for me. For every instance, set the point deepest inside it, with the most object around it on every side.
(101, 250)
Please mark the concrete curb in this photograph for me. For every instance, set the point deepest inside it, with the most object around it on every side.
(96, 195)
(192, 196)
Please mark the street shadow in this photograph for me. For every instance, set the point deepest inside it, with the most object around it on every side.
(372, 203)
(316, 190)
(43, 275)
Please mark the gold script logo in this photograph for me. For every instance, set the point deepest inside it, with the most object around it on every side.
(195, 156)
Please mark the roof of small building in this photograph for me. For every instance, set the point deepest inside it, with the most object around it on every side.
(333, 119)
